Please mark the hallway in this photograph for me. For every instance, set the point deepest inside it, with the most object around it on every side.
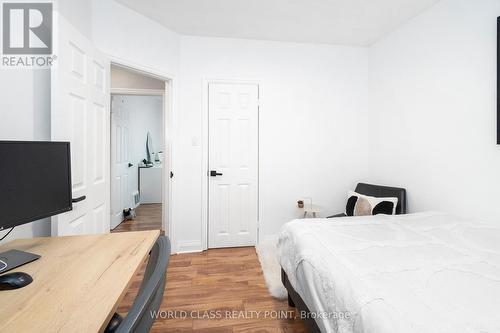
(148, 218)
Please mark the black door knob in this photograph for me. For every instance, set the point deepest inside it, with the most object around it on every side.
(214, 173)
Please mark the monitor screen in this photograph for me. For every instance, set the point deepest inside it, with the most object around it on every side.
(35, 181)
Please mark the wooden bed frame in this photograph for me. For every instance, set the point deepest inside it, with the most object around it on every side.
(294, 300)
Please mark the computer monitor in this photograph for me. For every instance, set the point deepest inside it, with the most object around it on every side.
(35, 183)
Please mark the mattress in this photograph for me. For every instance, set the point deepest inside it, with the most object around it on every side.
(426, 272)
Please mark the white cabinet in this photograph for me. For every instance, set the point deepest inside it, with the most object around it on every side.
(150, 180)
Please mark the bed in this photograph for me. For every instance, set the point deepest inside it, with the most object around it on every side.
(426, 272)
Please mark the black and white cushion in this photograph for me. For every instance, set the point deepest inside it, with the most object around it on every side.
(362, 205)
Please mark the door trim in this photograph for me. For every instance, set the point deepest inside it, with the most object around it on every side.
(205, 148)
(137, 92)
(169, 124)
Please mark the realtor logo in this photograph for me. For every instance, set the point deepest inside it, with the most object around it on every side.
(27, 28)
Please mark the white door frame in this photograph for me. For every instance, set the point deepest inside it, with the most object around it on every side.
(168, 117)
(205, 148)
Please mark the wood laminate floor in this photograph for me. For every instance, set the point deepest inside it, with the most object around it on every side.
(225, 283)
(148, 218)
(222, 282)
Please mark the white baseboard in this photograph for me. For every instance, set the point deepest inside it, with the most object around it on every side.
(189, 247)
(264, 238)
(196, 246)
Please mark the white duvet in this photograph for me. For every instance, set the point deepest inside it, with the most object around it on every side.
(423, 272)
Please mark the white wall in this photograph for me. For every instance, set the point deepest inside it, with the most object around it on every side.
(433, 113)
(25, 104)
(25, 95)
(25, 115)
(124, 34)
(145, 114)
(431, 110)
(313, 142)
(78, 13)
(136, 40)
(125, 79)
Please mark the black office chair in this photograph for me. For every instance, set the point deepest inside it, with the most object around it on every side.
(382, 192)
(139, 319)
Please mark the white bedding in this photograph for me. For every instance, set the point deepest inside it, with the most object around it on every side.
(424, 272)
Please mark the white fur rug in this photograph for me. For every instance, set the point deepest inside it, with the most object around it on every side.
(268, 257)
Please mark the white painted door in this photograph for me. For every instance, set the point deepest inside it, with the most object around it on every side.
(80, 114)
(233, 164)
(121, 167)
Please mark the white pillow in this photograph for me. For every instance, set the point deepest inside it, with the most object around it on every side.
(373, 202)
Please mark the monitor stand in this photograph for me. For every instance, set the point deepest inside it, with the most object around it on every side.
(13, 258)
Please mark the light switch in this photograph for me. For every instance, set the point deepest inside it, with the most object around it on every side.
(195, 141)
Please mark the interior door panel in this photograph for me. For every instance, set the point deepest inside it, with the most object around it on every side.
(233, 162)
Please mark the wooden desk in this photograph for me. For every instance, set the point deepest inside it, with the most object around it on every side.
(77, 283)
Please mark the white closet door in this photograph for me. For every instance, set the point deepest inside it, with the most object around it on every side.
(121, 167)
(233, 164)
(80, 114)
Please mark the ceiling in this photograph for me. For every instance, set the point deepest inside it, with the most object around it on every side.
(346, 22)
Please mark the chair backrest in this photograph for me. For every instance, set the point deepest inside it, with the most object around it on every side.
(385, 191)
(139, 319)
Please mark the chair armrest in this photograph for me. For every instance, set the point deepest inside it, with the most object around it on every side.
(338, 215)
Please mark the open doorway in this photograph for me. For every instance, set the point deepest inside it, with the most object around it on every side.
(139, 167)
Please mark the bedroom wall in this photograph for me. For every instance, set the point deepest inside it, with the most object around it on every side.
(124, 34)
(78, 13)
(431, 119)
(142, 43)
(25, 105)
(433, 111)
(313, 124)
(125, 79)
(145, 42)
(25, 115)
